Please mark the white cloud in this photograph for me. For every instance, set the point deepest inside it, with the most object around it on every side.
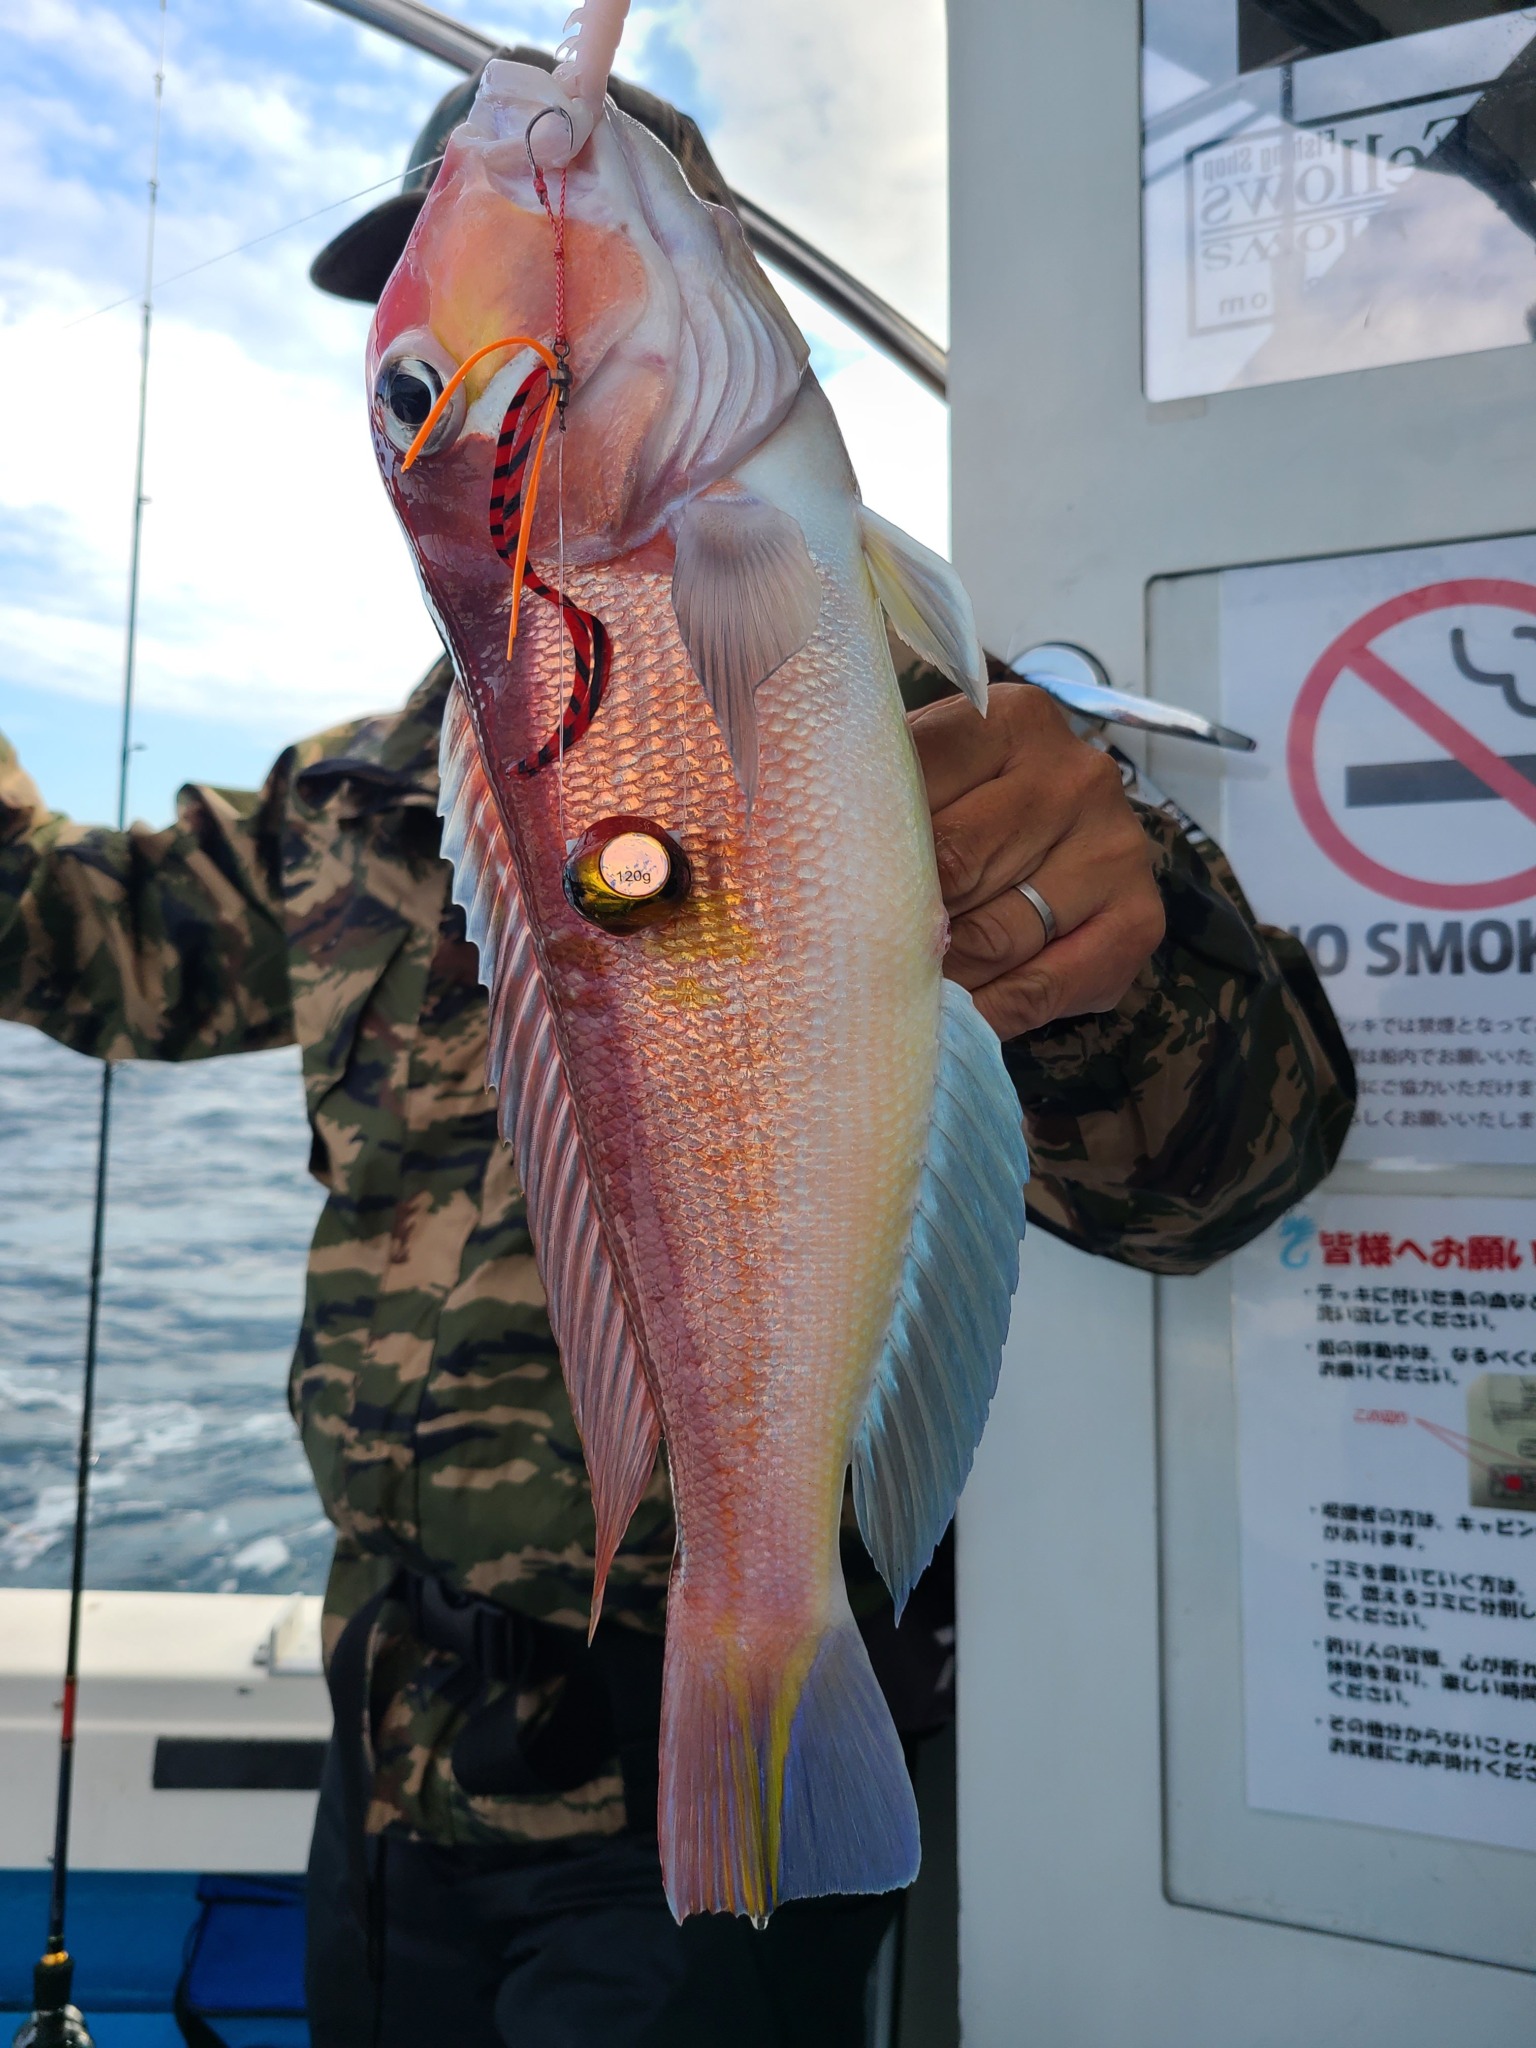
(98, 42)
(275, 581)
(898, 438)
(276, 584)
(833, 116)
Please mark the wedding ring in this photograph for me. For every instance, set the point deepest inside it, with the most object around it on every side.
(1046, 914)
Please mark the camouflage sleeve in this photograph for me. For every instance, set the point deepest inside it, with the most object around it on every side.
(1174, 1128)
(140, 944)
(1177, 1126)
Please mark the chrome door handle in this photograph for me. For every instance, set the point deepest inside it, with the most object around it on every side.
(1077, 681)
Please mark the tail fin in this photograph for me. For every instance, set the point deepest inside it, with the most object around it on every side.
(781, 1776)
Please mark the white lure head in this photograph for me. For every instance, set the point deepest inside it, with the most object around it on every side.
(586, 53)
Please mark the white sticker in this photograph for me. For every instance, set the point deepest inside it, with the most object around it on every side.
(1389, 818)
(634, 865)
(1386, 1383)
(1324, 213)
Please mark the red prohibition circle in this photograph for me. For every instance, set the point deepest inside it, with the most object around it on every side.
(1301, 748)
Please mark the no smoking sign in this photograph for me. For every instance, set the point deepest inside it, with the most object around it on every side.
(1388, 819)
(1411, 751)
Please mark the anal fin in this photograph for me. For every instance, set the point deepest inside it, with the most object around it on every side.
(599, 1352)
(938, 1373)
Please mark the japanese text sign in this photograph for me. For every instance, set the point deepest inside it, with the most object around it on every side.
(1385, 1352)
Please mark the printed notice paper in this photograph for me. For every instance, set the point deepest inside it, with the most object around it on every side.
(1385, 1354)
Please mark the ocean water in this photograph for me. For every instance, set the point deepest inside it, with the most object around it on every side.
(199, 1483)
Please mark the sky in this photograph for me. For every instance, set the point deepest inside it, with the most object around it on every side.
(276, 595)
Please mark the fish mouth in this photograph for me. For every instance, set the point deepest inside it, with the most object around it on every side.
(484, 259)
(414, 372)
(524, 117)
(485, 414)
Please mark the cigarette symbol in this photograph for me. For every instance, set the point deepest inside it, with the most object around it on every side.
(1425, 782)
(1495, 678)
(1445, 782)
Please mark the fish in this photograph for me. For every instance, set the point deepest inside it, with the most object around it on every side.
(773, 1161)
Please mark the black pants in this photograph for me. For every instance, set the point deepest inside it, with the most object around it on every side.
(570, 1946)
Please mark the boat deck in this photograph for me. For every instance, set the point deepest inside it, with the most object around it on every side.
(203, 1720)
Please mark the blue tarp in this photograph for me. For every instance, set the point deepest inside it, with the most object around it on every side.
(133, 1932)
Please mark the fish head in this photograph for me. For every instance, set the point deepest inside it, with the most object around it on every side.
(682, 357)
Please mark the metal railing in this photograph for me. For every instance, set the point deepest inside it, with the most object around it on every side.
(451, 42)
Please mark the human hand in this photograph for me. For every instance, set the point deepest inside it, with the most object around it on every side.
(1017, 797)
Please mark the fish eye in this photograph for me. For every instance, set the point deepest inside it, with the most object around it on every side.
(407, 389)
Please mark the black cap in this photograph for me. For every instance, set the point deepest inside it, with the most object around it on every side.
(358, 262)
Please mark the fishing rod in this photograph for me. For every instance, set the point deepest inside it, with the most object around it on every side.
(55, 2021)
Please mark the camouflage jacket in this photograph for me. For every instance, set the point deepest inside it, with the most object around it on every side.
(426, 1383)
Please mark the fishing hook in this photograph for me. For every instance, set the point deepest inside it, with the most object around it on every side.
(542, 114)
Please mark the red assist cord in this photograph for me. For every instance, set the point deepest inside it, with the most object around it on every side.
(537, 402)
(562, 346)
(524, 428)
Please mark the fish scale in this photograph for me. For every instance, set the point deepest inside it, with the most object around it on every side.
(723, 1080)
(774, 1161)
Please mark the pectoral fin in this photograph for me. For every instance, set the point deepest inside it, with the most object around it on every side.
(936, 1379)
(747, 597)
(926, 603)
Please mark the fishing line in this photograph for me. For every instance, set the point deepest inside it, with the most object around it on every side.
(565, 836)
(55, 2022)
(562, 391)
(563, 351)
(239, 248)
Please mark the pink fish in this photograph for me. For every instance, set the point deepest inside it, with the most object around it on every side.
(773, 1161)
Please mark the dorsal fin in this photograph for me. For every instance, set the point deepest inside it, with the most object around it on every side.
(936, 1378)
(926, 603)
(599, 1352)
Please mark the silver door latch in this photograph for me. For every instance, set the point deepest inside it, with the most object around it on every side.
(1078, 682)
